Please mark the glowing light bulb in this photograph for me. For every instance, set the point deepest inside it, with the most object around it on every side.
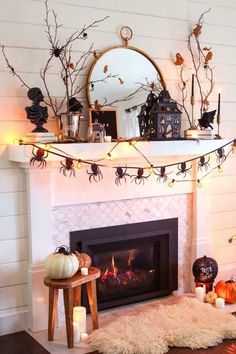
(151, 169)
(220, 169)
(171, 183)
(199, 184)
(16, 141)
(79, 165)
(133, 142)
(47, 147)
(234, 147)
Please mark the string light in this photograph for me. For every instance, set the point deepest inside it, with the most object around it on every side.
(133, 142)
(47, 147)
(199, 183)
(79, 165)
(40, 153)
(16, 141)
(151, 169)
(109, 156)
(234, 147)
(171, 183)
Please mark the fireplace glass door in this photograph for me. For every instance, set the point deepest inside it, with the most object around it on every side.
(137, 261)
(126, 270)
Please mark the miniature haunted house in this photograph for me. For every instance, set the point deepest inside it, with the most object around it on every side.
(160, 118)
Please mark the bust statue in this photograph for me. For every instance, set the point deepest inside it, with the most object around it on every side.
(37, 114)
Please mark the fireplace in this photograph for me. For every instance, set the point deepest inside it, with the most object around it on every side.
(67, 205)
(138, 261)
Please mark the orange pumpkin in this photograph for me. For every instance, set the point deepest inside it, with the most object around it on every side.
(226, 290)
(84, 259)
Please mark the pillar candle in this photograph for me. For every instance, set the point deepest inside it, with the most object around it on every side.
(76, 332)
(200, 293)
(220, 303)
(84, 271)
(79, 316)
(107, 138)
(84, 337)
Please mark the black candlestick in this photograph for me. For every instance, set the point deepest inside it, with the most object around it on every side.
(192, 93)
(219, 98)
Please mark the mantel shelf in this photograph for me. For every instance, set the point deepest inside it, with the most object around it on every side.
(94, 151)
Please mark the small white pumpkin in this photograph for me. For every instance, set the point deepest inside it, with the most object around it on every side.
(61, 264)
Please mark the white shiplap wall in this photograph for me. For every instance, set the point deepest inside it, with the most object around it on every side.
(160, 28)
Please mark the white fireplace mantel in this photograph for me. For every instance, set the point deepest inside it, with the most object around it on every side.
(47, 188)
(93, 151)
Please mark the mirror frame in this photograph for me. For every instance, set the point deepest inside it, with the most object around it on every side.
(140, 51)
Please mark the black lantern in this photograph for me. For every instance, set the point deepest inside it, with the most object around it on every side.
(205, 270)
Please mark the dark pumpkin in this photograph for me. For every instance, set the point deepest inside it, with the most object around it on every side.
(205, 270)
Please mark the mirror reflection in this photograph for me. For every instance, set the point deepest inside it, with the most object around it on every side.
(121, 79)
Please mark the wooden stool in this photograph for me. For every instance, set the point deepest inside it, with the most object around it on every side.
(72, 297)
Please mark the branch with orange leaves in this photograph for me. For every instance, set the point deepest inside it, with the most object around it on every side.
(201, 58)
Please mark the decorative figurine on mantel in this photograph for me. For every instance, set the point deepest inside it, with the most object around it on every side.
(160, 118)
(37, 114)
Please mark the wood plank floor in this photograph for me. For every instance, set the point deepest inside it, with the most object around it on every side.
(20, 343)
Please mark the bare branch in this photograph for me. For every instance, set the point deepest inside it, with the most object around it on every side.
(12, 70)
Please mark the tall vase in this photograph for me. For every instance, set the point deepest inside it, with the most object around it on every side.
(69, 125)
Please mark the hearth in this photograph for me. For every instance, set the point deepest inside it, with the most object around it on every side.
(137, 261)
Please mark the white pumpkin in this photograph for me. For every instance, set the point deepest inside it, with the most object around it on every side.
(62, 264)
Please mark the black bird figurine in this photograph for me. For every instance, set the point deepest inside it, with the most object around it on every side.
(207, 119)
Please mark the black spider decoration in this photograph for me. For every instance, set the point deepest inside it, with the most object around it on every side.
(39, 156)
(207, 119)
(183, 169)
(203, 163)
(220, 153)
(120, 175)
(139, 177)
(162, 175)
(96, 173)
(57, 51)
(68, 166)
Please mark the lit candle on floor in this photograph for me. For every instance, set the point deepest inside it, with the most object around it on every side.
(84, 271)
(84, 337)
(200, 293)
(220, 303)
(79, 316)
(76, 332)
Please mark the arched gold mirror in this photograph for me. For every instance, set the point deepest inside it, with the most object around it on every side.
(119, 81)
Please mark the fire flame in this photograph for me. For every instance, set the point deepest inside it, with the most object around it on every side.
(131, 257)
(113, 271)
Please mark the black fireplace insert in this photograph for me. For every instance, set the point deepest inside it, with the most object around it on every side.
(137, 261)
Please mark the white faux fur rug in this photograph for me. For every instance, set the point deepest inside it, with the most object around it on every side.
(188, 323)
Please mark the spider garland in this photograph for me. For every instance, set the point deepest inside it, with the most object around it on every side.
(95, 174)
